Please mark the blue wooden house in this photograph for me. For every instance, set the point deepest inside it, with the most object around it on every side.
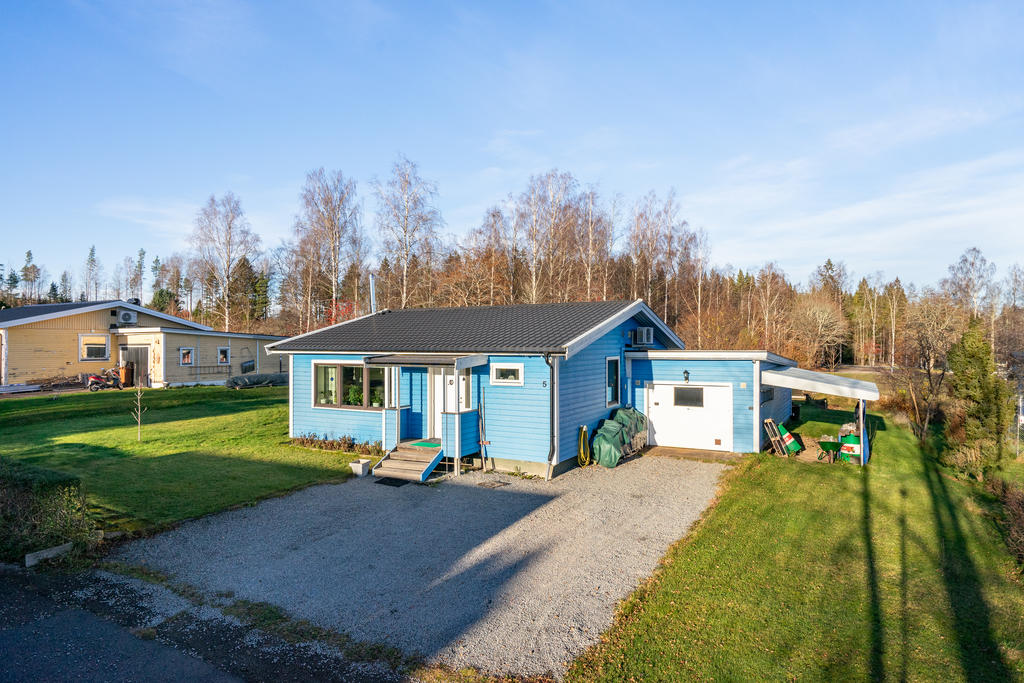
(514, 384)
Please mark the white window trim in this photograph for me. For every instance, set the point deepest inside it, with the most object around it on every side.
(466, 385)
(618, 383)
(186, 348)
(223, 348)
(507, 382)
(82, 359)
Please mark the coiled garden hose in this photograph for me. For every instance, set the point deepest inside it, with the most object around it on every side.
(583, 448)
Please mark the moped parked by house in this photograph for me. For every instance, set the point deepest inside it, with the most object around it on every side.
(106, 379)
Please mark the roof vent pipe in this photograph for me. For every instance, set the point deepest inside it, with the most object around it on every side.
(373, 294)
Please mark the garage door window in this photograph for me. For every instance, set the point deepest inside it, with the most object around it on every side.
(689, 397)
(612, 381)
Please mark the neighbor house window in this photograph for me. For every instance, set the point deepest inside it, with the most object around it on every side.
(510, 374)
(94, 347)
(348, 386)
(767, 395)
(248, 366)
(689, 397)
(186, 356)
(612, 380)
(223, 355)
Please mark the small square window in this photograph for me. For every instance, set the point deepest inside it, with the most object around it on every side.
(186, 356)
(689, 397)
(223, 355)
(510, 374)
(94, 347)
(248, 366)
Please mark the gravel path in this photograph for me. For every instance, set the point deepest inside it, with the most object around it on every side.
(516, 579)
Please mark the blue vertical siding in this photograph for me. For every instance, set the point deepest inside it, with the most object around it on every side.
(581, 392)
(414, 394)
(470, 433)
(332, 423)
(734, 372)
(517, 419)
(389, 421)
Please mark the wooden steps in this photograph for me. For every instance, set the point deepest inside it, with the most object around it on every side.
(408, 462)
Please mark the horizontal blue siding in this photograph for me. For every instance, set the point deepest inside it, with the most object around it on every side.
(581, 393)
(777, 409)
(734, 372)
(331, 423)
(517, 419)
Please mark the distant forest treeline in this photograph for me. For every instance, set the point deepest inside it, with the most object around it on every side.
(557, 240)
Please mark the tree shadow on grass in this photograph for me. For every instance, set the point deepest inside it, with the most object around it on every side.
(972, 622)
(160, 489)
(876, 656)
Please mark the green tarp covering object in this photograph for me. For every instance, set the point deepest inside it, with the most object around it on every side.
(615, 434)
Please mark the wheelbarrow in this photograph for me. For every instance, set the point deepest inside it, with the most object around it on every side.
(830, 450)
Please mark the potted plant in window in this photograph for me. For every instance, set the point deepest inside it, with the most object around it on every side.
(377, 398)
(355, 396)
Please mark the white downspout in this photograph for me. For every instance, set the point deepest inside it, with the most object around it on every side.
(757, 407)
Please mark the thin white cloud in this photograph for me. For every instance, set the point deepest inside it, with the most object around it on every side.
(879, 136)
(170, 220)
(915, 229)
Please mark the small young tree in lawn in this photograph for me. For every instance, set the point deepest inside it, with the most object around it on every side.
(138, 409)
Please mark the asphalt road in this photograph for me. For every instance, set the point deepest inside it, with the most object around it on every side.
(41, 640)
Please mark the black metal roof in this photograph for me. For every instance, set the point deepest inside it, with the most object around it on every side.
(523, 328)
(32, 310)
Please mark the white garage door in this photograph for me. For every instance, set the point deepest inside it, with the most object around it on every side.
(690, 415)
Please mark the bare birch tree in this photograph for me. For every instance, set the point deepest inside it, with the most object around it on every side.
(407, 217)
(221, 238)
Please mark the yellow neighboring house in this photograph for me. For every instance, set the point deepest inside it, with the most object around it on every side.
(46, 341)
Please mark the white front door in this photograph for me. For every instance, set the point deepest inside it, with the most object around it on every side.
(690, 416)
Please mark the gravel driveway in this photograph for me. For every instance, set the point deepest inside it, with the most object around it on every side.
(516, 579)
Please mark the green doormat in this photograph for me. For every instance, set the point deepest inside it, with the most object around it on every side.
(426, 444)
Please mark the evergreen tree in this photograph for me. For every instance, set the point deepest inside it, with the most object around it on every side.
(977, 426)
(53, 295)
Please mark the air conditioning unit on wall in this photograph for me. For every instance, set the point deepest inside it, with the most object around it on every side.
(127, 317)
(643, 336)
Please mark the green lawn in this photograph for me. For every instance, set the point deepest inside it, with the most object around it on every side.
(828, 572)
(204, 449)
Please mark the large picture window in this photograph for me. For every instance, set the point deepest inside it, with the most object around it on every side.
(94, 347)
(612, 380)
(348, 386)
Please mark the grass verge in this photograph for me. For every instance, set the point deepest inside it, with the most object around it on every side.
(204, 449)
(892, 571)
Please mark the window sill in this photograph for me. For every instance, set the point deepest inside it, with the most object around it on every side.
(361, 409)
(94, 360)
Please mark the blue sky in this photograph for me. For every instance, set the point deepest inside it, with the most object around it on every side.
(889, 136)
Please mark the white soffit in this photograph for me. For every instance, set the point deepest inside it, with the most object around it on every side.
(820, 383)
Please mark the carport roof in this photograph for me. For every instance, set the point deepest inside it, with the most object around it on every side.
(820, 383)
